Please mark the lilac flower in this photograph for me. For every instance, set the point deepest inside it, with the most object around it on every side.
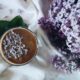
(62, 27)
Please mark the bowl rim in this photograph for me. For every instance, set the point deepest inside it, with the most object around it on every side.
(2, 53)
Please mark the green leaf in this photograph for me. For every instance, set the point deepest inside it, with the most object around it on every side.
(3, 26)
(15, 22)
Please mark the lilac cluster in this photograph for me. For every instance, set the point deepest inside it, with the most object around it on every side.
(13, 46)
(63, 30)
(62, 64)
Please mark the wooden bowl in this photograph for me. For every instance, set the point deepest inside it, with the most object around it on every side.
(30, 41)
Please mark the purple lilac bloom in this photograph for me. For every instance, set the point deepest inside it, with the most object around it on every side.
(63, 30)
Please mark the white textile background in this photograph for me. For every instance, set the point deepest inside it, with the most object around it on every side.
(31, 11)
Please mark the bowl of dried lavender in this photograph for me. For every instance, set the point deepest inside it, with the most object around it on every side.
(18, 46)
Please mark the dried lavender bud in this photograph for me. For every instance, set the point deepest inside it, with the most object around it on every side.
(13, 46)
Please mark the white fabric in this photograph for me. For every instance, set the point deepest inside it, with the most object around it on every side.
(37, 69)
